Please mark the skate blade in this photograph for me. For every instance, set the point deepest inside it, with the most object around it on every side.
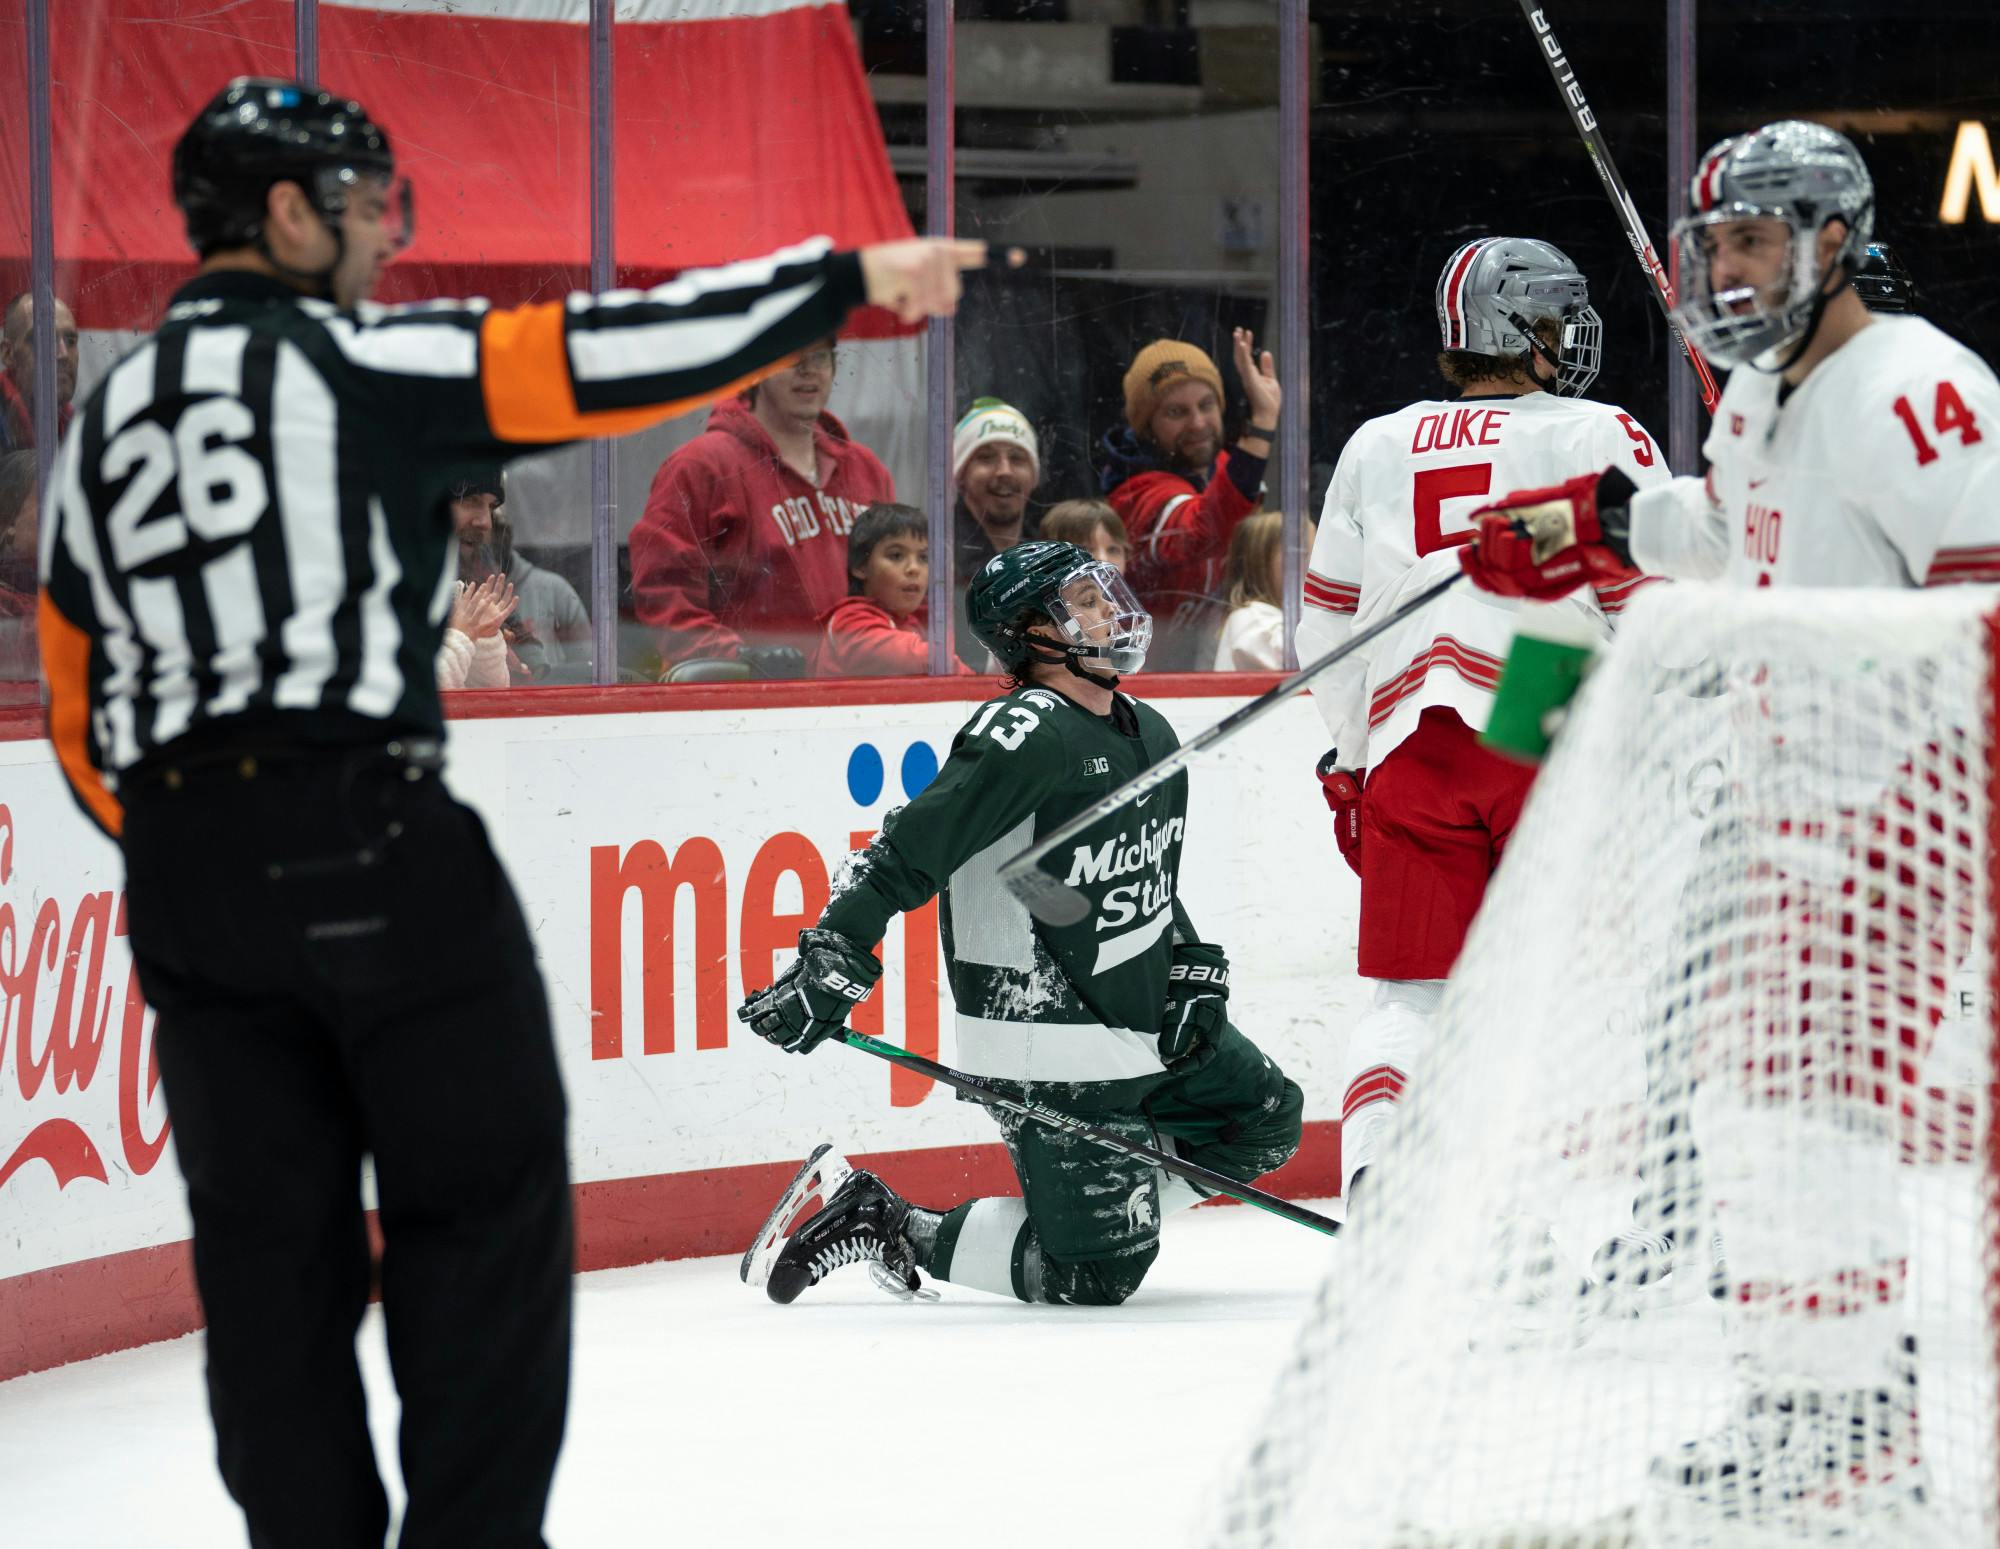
(897, 1286)
(822, 1172)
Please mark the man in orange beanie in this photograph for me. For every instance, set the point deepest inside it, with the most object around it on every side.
(1180, 492)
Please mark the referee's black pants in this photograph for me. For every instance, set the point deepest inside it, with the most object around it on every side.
(340, 968)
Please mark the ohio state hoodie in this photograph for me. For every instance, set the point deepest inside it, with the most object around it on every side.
(735, 548)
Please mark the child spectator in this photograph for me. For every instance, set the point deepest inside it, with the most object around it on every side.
(881, 629)
(1253, 635)
(1093, 527)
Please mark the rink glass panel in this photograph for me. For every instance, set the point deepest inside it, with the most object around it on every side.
(1133, 152)
(782, 143)
(489, 119)
(1899, 80)
(1437, 125)
(18, 653)
(124, 78)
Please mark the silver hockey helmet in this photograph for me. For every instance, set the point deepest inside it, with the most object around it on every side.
(1494, 290)
(1800, 174)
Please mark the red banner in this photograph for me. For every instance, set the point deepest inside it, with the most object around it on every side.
(740, 126)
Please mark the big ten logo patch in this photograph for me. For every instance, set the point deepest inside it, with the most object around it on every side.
(77, 1067)
(689, 886)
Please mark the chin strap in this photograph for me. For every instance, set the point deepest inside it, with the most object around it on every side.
(1821, 301)
(1101, 679)
(1067, 656)
(318, 283)
(1793, 355)
(1537, 351)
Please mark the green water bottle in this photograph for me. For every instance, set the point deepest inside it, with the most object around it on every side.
(1553, 648)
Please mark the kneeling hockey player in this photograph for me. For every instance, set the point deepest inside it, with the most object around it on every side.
(1121, 1018)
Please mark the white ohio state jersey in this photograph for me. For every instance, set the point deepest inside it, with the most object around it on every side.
(1881, 469)
(1405, 489)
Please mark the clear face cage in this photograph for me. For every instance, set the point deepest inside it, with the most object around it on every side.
(1095, 607)
(1733, 326)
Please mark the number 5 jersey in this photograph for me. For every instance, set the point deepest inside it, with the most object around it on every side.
(1399, 506)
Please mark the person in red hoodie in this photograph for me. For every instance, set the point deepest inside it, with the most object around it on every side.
(1179, 493)
(881, 631)
(742, 550)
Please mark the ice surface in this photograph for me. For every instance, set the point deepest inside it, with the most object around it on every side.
(702, 1414)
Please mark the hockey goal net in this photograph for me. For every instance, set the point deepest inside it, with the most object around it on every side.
(1686, 1233)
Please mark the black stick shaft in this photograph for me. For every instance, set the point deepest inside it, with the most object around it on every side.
(1019, 874)
(1069, 1124)
(1585, 118)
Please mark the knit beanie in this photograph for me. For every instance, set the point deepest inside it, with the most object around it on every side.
(987, 421)
(1157, 370)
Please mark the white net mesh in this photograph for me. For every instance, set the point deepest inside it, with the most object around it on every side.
(1698, 1154)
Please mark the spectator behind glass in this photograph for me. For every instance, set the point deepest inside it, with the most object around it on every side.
(1093, 527)
(17, 371)
(882, 629)
(548, 632)
(742, 550)
(1181, 494)
(996, 462)
(474, 651)
(1253, 634)
(20, 655)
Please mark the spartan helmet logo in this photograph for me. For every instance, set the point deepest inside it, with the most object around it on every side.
(1141, 1214)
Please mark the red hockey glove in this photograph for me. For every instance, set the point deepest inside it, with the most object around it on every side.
(1342, 789)
(1544, 543)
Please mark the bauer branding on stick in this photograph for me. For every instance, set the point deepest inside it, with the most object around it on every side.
(1553, 649)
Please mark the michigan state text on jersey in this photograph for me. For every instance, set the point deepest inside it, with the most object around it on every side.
(1121, 1016)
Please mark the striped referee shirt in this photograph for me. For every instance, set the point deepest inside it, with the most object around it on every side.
(247, 536)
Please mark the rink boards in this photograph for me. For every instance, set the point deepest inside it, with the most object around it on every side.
(667, 846)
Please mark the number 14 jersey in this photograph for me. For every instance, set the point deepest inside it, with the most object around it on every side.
(1400, 505)
(1881, 469)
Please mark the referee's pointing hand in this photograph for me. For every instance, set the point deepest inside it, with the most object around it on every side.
(918, 278)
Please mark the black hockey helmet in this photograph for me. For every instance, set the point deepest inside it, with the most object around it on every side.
(259, 131)
(1883, 283)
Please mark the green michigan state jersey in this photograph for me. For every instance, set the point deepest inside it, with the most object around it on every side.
(1036, 1002)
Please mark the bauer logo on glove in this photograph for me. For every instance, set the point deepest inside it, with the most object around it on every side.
(1197, 1000)
(810, 1002)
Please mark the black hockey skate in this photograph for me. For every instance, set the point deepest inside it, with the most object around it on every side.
(861, 1223)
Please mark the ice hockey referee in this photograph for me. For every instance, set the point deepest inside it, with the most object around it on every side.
(246, 564)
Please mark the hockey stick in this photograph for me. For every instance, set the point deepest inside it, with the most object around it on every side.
(1070, 1124)
(1056, 902)
(1581, 114)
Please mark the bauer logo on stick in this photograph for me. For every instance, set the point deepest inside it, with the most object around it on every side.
(1565, 77)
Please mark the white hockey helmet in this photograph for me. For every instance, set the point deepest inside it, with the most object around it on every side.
(1494, 290)
(1801, 174)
